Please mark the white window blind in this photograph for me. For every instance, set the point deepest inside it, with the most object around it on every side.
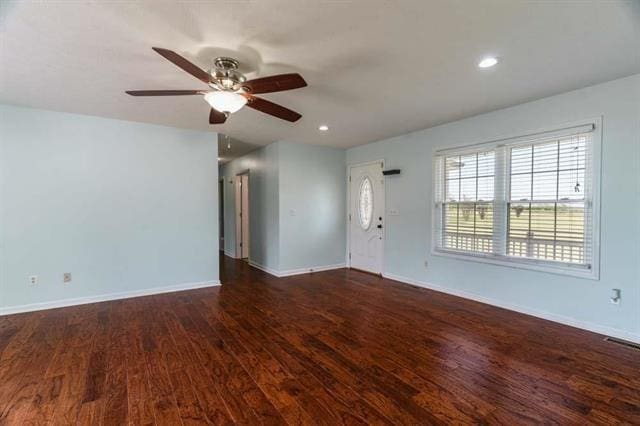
(468, 204)
(527, 200)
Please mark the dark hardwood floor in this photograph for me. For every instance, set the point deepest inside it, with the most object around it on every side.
(329, 348)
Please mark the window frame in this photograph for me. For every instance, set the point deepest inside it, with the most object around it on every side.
(501, 199)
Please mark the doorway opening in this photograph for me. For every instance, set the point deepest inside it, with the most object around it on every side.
(242, 215)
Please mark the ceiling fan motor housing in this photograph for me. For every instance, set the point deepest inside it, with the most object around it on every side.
(226, 74)
(225, 63)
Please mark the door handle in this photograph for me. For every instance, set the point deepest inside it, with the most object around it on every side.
(379, 226)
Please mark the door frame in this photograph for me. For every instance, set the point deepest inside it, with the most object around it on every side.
(238, 178)
(384, 212)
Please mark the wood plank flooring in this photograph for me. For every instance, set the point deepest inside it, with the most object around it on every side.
(330, 348)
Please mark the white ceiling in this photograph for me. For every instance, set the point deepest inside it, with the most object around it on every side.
(230, 148)
(375, 68)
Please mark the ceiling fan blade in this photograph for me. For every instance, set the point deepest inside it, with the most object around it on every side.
(274, 83)
(217, 117)
(164, 92)
(184, 64)
(272, 109)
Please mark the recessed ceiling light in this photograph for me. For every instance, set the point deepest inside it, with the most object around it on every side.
(323, 128)
(488, 62)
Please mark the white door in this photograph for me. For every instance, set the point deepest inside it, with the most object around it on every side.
(238, 184)
(242, 216)
(366, 217)
(245, 216)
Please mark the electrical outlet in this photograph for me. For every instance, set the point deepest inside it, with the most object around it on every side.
(616, 295)
(66, 277)
(33, 279)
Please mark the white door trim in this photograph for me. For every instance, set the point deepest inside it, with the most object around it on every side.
(384, 213)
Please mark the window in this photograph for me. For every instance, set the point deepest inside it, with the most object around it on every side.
(525, 201)
(468, 206)
(547, 200)
(365, 203)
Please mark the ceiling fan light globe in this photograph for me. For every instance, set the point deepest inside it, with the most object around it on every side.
(227, 102)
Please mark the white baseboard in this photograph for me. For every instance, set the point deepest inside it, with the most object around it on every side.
(104, 297)
(264, 268)
(292, 272)
(229, 254)
(584, 325)
(312, 269)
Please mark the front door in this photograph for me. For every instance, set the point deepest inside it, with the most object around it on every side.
(366, 215)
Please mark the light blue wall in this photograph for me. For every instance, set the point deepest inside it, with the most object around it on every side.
(408, 235)
(285, 176)
(122, 206)
(312, 206)
(263, 205)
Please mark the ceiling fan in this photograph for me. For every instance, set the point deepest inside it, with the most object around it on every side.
(229, 90)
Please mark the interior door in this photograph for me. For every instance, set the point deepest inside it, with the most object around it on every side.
(242, 216)
(245, 216)
(238, 219)
(221, 213)
(366, 217)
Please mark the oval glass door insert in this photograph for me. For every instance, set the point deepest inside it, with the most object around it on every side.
(365, 203)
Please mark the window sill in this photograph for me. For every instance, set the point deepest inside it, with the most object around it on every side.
(518, 263)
